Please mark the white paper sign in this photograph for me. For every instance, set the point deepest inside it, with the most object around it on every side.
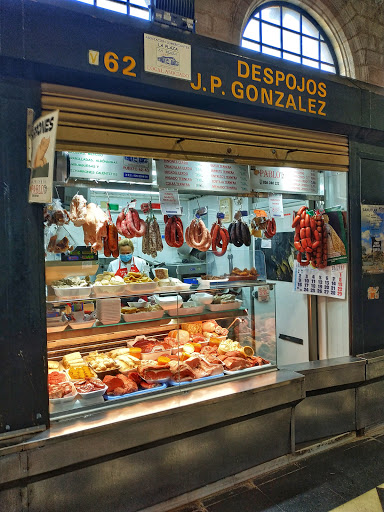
(276, 205)
(96, 166)
(184, 175)
(285, 179)
(266, 243)
(166, 57)
(328, 282)
(43, 158)
(169, 202)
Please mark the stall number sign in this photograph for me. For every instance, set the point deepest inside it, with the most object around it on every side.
(328, 282)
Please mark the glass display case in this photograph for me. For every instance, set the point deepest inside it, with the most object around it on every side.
(118, 348)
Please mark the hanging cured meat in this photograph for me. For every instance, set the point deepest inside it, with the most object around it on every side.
(129, 224)
(93, 220)
(197, 235)
(152, 243)
(239, 233)
(220, 238)
(173, 231)
(310, 238)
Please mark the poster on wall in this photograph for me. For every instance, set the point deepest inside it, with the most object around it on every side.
(166, 57)
(43, 158)
(328, 282)
(372, 238)
(335, 221)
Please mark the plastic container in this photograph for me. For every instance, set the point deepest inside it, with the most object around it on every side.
(65, 399)
(202, 298)
(138, 305)
(139, 288)
(72, 292)
(136, 393)
(195, 310)
(93, 394)
(106, 290)
(169, 301)
(81, 325)
(225, 307)
(145, 315)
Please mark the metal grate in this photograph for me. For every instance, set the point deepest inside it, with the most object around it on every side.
(185, 8)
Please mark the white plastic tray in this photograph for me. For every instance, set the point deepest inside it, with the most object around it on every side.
(245, 370)
(197, 310)
(65, 399)
(57, 328)
(93, 394)
(225, 307)
(139, 288)
(111, 289)
(148, 315)
(72, 292)
(81, 325)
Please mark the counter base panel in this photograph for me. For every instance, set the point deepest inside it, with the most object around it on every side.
(324, 415)
(370, 404)
(135, 480)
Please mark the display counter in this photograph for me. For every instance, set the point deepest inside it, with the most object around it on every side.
(156, 449)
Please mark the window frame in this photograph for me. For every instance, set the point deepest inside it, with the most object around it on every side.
(127, 3)
(323, 38)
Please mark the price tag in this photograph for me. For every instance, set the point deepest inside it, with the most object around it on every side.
(266, 243)
(169, 202)
(244, 213)
(220, 215)
(276, 205)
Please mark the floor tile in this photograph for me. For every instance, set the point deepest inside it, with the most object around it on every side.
(252, 500)
(225, 495)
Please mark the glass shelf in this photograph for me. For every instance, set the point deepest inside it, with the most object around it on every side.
(220, 286)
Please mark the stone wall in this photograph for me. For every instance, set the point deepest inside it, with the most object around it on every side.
(355, 28)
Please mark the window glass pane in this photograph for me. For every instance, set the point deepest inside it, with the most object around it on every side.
(139, 13)
(253, 30)
(257, 15)
(326, 54)
(271, 51)
(271, 14)
(309, 28)
(311, 63)
(141, 3)
(291, 42)
(310, 48)
(90, 2)
(112, 6)
(291, 19)
(292, 58)
(250, 45)
(271, 35)
(330, 69)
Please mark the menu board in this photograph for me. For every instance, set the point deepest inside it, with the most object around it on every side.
(285, 179)
(328, 282)
(94, 166)
(204, 176)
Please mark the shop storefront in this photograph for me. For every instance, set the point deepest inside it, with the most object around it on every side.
(242, 143)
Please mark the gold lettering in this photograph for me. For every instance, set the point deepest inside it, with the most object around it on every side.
(287, 80)
(290, 102)
(240, 74)
(281, 96)
(237, 89)
(301, 109)
(311, 105)
(215, 82)
(268, 76)
(255, 92)
(320, 111)
(256, 71)
(310, 81)
(301, 89)
(322, 90)
(266, 95)
(198, 85)
(279, 77)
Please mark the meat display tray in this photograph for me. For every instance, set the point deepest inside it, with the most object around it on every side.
(136, 393)
(203, 379)
(245, 370)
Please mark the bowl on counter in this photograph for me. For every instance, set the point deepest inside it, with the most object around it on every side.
(202, 298)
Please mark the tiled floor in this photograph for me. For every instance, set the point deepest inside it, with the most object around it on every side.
(343, 478)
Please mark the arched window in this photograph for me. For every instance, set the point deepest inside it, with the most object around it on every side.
(286, 31)
(136, 8)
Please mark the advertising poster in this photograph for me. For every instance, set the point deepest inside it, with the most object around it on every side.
(337, 238)
(372, 238)
(43, 158)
